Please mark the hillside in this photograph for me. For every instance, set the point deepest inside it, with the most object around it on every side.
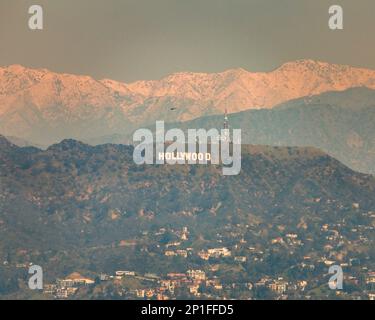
(339, 123)
(78, 208)
(73, 188)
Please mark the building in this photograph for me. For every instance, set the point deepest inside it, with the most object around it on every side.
(185, 234)
(219, 252)
(204, 255)
(278, 286)
(140, 293)
(120, 274)
(182, 253)
(173, 275)
(61, 294)
(240, 259)
(194, 290)
(197, 275)
(168, 285)
(50, 289)
(370, 279)
(74, 279)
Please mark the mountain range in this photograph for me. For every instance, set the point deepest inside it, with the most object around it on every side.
(72, 198)
(45, 107)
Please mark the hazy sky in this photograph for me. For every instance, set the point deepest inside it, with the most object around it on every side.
(147, 39)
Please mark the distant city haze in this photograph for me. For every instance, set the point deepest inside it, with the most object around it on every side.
(137, 39)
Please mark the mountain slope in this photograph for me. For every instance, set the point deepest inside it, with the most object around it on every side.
(339, 123)
(74, 207)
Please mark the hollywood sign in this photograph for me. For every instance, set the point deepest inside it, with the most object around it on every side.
(185, 156)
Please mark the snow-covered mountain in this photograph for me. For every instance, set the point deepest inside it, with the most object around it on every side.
(46, 107)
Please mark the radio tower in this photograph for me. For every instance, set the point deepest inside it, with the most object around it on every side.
(226, 122)
(226, 136)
